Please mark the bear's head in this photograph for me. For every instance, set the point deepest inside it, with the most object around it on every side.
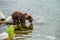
(28, 17)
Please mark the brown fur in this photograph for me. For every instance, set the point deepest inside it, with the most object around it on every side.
(19, 16)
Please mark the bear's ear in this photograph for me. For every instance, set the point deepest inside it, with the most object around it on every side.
(30, 15)
(25, 14)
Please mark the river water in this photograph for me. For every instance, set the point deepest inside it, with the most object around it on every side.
(46, 15)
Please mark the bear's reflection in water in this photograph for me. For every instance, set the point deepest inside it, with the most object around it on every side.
(20, 29)
(23, 32)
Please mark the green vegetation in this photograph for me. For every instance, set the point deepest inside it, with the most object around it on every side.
(10, 30)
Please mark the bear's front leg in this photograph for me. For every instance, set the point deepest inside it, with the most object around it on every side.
(23, 24)
(14, 21)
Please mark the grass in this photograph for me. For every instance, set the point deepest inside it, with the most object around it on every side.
(10, 30)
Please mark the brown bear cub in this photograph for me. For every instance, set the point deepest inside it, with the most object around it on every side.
(19, 17)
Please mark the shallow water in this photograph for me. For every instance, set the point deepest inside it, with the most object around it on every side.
(46, 14)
